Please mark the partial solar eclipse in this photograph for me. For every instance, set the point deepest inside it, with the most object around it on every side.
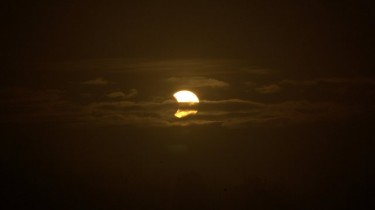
(186, 100)
(185, 96)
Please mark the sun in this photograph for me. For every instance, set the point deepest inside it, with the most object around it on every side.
(185, 96)
(187, 101)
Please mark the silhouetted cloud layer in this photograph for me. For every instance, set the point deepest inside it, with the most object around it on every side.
(140, 93)
(49, 105)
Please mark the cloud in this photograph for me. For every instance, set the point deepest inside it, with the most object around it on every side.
(267, 89)
(197, 82)
(97, 81)
(33, 106)
(332, 81)
(121, 95)
(231, 112)
(352, 81)
(337, 88)
(228, 113)
(232, 100)
(283, 113)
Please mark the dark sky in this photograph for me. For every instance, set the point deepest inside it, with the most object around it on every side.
(286, 117)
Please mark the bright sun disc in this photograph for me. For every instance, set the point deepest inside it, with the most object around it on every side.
(185, 96)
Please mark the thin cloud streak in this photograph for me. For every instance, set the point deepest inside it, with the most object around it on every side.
(197, 82)
(268, 89)
(333, 81)
(213, 112)
(123, 95)
(97, 81)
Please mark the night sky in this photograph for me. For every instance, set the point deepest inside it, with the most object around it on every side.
(285, 119)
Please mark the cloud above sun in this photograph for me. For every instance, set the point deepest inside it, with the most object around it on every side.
(123, 95)
(197, 82)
